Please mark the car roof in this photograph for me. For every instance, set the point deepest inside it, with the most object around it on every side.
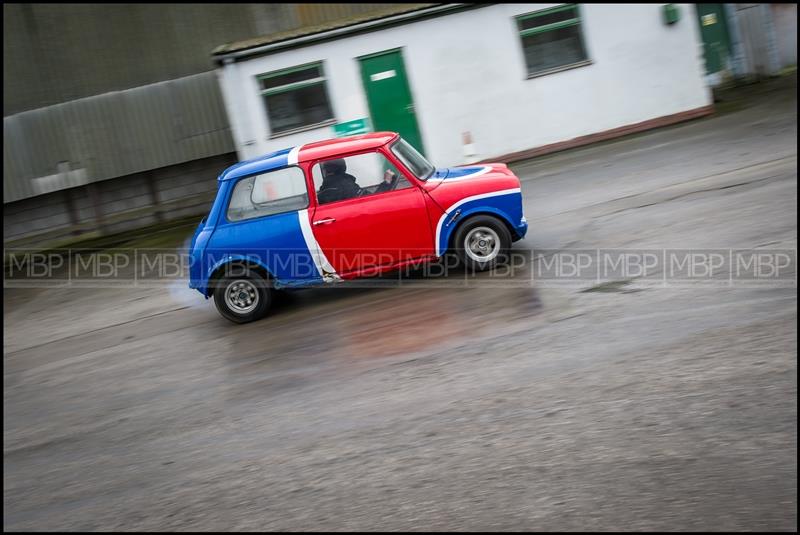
(310, 151)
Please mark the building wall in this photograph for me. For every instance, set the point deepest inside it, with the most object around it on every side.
(785, 17)
(467, 74)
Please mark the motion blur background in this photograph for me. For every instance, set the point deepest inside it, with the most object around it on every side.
(454, 403)
(116, 117)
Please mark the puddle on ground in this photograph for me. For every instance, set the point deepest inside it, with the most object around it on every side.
(317, 332)
(327, 325)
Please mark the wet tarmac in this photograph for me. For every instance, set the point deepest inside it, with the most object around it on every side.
(444, 406)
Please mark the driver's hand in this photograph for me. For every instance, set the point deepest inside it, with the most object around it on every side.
(388, 175)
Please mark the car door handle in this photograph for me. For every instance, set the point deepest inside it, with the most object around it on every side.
(327, 221)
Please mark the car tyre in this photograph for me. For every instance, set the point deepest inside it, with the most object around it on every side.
(243, 295)
(481, 242)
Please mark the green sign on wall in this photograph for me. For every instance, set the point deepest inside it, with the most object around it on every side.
(351, 128)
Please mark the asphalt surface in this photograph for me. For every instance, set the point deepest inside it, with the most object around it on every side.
(428, 407)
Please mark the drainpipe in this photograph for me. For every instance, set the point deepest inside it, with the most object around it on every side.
(155, 199)
(72, 208)
(94, 197)
(73, 212)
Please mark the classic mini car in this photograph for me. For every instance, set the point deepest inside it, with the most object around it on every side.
(342, 209)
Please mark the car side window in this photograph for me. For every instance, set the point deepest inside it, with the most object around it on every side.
(339, 179)
(283, 190)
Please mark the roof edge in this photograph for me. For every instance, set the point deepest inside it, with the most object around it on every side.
(220, 55)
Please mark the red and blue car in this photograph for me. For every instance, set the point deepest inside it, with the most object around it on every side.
(346, 208)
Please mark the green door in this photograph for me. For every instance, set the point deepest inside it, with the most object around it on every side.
(389, 97)
(714, 31)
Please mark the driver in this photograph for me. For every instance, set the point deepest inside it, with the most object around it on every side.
(338, 185)
(334, 177)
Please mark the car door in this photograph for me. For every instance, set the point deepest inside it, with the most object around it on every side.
(381, 228)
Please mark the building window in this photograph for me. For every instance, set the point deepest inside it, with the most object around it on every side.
(295, 98)
(552, 39)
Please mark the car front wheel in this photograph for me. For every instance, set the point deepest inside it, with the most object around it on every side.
(243, 297)
(481, 242)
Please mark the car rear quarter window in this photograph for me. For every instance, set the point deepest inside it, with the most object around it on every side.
(283, 190)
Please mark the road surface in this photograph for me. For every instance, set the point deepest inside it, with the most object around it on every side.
(423, 407)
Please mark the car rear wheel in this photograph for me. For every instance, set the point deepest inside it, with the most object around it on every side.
(243, 296)
(481, 242)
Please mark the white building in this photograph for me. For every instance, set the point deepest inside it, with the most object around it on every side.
(471, 82)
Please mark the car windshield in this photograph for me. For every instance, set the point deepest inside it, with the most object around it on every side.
(412, 159)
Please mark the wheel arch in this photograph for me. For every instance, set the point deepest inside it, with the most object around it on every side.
(482, 211)
(239, 261)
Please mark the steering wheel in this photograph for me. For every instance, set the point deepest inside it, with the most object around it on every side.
(395, 179)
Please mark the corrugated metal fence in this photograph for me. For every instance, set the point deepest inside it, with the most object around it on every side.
(113, 134)
(754, 39)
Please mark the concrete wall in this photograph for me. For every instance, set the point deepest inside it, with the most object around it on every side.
(467, 73)
(125, 203)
